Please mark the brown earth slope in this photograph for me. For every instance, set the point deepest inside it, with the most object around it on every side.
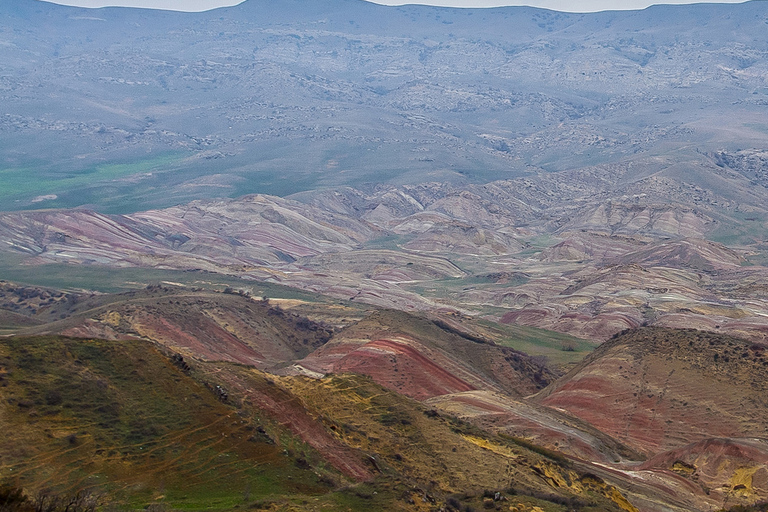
(203, 324)
(667, 416)
(686, 398)
(151, 431)
(659, 389)
(420, 358)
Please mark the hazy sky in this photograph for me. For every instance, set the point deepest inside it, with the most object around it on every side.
(560, 5)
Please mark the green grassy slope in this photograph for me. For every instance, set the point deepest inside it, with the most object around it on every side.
(120, 418)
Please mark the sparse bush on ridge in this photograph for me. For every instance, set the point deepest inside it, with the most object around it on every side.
(757, 507)
(14, 499)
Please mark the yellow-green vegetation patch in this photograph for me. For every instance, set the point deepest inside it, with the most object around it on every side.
(560, 349)
(439, 455)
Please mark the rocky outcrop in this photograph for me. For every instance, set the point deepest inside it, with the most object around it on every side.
(733, 470)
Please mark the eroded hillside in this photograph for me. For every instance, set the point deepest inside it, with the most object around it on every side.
(572, 252)
(412, 411)
(135, 426)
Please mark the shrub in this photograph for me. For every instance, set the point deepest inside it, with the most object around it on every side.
(53, 397)
(13, 499)
(453, 503)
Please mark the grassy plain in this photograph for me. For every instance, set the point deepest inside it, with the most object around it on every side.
(26, 183)
(560, 349)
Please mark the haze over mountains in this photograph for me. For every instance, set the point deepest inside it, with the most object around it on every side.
(387, 240)
(236, 100)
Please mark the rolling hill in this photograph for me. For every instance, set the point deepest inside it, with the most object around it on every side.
(134, 426)
(333, 256)
(654, 419)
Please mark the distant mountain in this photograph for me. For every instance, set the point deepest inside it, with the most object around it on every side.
(125, 109)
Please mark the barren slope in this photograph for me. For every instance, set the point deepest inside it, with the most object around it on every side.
(419, 358)
(658, 389)
(694, 401)
(206, 325)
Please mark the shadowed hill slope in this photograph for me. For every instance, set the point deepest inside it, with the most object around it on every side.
(122, 419)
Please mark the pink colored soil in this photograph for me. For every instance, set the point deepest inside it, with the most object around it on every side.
(292, 414)
(393, 364)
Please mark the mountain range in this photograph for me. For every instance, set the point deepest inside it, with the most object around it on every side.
(126, 110)
(333, 255)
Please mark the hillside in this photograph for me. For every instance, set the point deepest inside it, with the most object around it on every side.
(422, 358)
(591, 283)
(672, 429)
(198, 323)
(152, 429)
(119, 418)
(668, 418)
(686, 398)
(673, 386)
(279, 99)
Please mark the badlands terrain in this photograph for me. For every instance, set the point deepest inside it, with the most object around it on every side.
(339, 256)
(588, 253)
(192, 398)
